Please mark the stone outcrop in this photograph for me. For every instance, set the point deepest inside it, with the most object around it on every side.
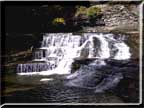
(118, 17)
(121, 16)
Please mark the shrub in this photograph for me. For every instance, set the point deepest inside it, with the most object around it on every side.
(58, 21)
(81, 11)
(93, 11)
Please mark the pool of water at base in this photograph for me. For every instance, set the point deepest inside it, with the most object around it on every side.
(55, 91)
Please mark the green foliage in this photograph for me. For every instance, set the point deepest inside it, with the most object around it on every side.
(93, 11)
(81, 10)
(58, 21)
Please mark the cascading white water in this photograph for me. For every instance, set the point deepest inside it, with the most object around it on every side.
(58, 51)
(104, 50)
(123, 52)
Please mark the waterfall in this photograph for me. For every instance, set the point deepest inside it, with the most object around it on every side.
(59, 50)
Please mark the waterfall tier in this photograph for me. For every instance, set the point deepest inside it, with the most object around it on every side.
(58, 51)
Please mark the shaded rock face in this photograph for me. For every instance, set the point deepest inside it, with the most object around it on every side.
(128, 88)
(16, 42)
(133, 40)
